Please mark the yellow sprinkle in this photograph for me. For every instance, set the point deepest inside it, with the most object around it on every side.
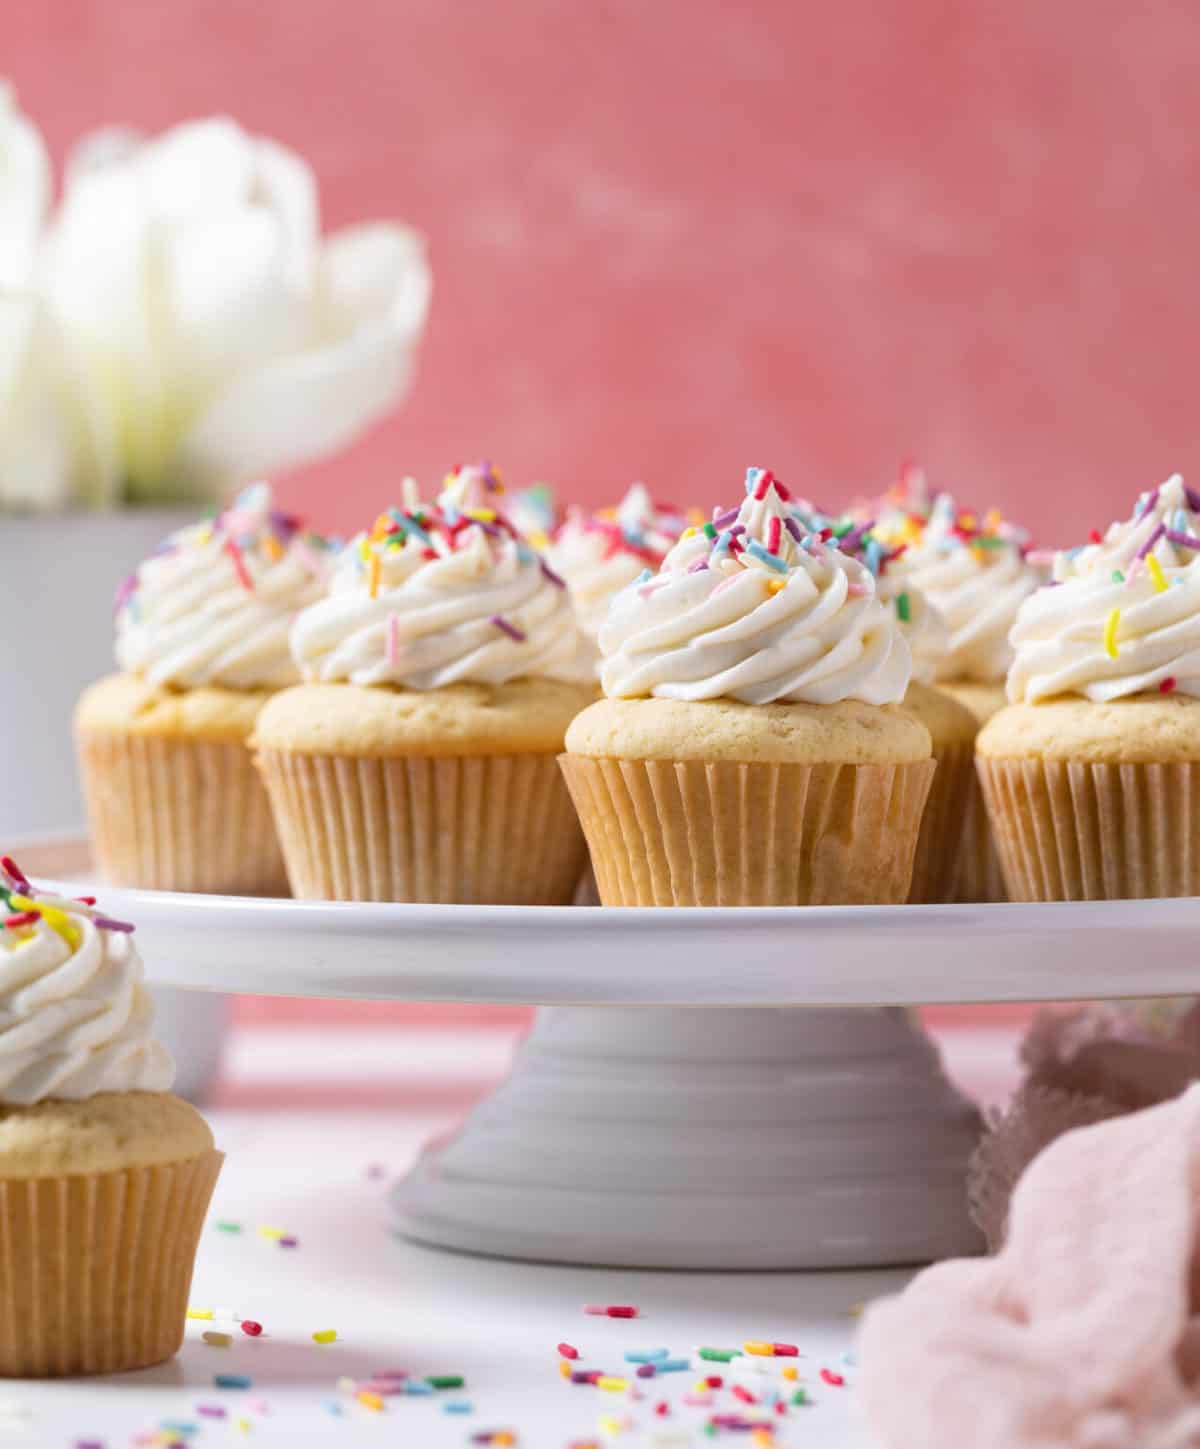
(364, 549)
(325, 1335)
(370, 1400)
(608, 1422)
(273, 1233)
(243, 1426)
(58, 921)
(689, 533)
(271, 547)
(762, 1437)
(205, 1313)
(774, 585)
(1155, 570)
(539, 540)
(1111, 625)
(374, 575)
(762, 1350)
(217, 1340)
(383, 526)
(992, 520)
(504, 1437)
(791, 1373)
(613, 1384)
(482, 515)
(564, 1369)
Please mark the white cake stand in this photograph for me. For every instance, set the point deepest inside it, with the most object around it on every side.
(672, 1107)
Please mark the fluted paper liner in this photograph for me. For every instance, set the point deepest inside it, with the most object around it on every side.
(691, 833)
(471, 829)
(938, 860)
(980, 878)
(168, 813)
(95, 1270)
(1072, 831)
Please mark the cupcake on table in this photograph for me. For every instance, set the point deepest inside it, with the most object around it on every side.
(751, 748)
(951, 725)
(418, 761)
(975, 569)
(173, 799)
(1092, 773)
(602, 553)
(105, 1177)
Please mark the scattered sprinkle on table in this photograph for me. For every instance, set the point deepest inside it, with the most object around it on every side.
(445, 1381)
(204, 1313)
(223, 1225)
(611, 1310)
(250, 1327)
(568, 1350)
(457, 1406)
(836, 1380)
(232, 1381)
(211, 1411)
(325, 1335)
(217, 1340)
(646, 1355)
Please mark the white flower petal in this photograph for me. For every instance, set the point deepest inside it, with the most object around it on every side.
(285, 183)
(375, 288)
(109, 146)
(197, 169)
(24, 191)
(35, 441)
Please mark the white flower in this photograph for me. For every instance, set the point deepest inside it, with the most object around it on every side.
(202, 332)
(34, 444)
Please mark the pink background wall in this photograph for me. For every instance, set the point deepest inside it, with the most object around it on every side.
(672, 237)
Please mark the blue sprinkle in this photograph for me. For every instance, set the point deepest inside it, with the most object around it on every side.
(647, 1355)
(673, 1365)
(772, 561)
(722, 544)
(415, 1386)
(873, 554)
(752, 476)
(331, 1406)
(525, 553)
(645, 576)
(180, 1426)
(458, 1406)
(232, 1381)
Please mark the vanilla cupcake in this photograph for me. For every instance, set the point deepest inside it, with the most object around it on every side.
(975, 571)
(173, 799)
(600, 554)
(105, 1177)
(751, 749)
(418, 761)
(1092, 773)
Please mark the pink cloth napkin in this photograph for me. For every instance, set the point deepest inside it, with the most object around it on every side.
(1081, 1333)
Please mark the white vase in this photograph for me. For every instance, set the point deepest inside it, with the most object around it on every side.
(58, 576)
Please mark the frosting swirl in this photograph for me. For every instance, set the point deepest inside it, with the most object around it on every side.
(974, 572)
(75, 1018)
(441, 594)
(1122, 615)
(601, 554)
(751, 608)
(214, 605)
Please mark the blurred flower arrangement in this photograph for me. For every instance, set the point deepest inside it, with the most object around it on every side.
(178, 325)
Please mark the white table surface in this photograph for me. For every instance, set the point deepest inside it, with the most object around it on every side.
(398, 1306)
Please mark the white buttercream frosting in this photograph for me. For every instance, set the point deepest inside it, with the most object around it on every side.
(749, 608)
(75, 1016)
(215, 604)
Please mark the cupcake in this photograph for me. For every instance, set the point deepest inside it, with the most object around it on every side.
(951, 725)
(975, 570)
(105, 1177)
(173, 799)
(751, 749)
(600, 554)
(417, 763)
(1091, 773)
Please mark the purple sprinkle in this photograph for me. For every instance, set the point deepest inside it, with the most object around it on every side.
(106, 923)
(505, 627)
(89, 1444)
(288, 1241)
(793, 528)
(1151, 541)
(556, 579)
(1184, 540)
(210, 1411)
(1148, 507)
(1193, 499)
(737, 529)
(697, 565)
(646, 1371)
(723, 520)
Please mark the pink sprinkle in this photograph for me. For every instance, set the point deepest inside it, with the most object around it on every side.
(239, 565)
(697, 1400)
(774, 529)
(697, 565)
(662, 1408)
(106, 923)
(830, 1377)
(14, 871)
(857, 591)
(764, 482)
(505, 627)
(393, 640)
(211, 1411)
(611, 1310)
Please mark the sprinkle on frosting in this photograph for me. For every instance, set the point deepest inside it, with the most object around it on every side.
(75, 1018)
(777, 613)
(1121, 615)
(440, 593)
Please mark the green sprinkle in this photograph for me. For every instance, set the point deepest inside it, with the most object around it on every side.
(710, 530)
(720, 1355)
(842, 529)
(225, 1226)
(903, 609)
(799, 1397)
(985, 540)
(1117, 576)
(445, 1381)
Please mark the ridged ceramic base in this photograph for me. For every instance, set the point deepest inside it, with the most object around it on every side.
(688, 833)
(482, 829)
(95, 1270)
(678, 1138)
(1069, 831)
(179, 815)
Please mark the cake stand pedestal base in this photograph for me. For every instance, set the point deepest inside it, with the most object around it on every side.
(707, 1138)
